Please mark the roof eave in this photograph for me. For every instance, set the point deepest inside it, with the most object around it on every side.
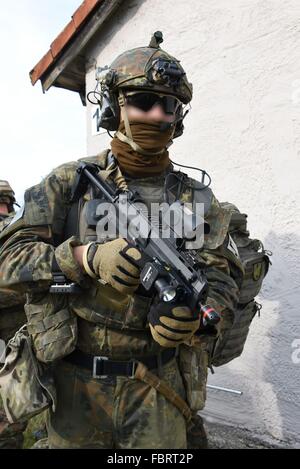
(51, 71)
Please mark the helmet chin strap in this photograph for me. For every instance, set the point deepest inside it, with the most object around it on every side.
(128, 137)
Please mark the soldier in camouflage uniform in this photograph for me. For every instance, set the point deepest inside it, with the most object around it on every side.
(116, 349)
(12, 317)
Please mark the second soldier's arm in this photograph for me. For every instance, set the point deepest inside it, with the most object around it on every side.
(32, 244)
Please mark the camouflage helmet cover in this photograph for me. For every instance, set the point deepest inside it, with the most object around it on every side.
(7, 195)
(144, 68)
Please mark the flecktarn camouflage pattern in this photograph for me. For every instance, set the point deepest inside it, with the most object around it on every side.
(12, 317)
(122, 412)
(26, 388)
(139, 69)
(7, 195)
(115, 412)
(143, 69)
(255, 261)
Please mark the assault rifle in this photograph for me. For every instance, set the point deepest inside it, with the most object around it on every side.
(171, 272)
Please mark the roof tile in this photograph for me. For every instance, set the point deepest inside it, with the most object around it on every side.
(63, 38)
(39, 69)
(81, 13)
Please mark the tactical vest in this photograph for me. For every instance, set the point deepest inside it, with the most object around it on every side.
(121, 320)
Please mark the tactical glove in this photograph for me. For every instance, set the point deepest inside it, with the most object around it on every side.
(111, 263)
(172, 323)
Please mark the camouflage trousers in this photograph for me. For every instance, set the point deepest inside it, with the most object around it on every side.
(115, 412)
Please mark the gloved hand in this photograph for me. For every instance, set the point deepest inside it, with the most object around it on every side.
(172, 323)
(110, 263)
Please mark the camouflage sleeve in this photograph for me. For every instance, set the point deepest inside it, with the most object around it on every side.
(222, 265)
(29, 243)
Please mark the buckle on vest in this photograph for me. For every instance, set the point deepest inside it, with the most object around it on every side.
(95, 363)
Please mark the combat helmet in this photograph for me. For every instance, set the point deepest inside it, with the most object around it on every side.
(7, 195)
(148, 69)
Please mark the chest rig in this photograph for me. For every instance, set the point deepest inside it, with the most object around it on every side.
(102, 304)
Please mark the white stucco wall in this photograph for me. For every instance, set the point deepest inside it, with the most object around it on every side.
(243, 57)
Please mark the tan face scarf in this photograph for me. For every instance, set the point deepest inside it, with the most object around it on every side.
(149, 137)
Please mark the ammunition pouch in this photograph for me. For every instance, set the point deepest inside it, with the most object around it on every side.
(52, 326)
(193, 362)
(256, 265)
(230, 344)
(104, 305)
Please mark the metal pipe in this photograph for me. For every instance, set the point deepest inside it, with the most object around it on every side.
(219, 388)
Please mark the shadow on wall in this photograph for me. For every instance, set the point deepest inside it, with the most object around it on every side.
(268, 372)
(282, 366)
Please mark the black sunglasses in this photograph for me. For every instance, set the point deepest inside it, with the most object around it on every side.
(146, 101)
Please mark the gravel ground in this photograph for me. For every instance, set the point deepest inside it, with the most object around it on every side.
(227, 437)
